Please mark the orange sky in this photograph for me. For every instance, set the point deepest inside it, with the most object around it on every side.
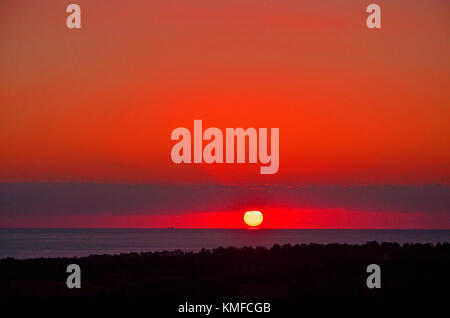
(354, 106)
(98, 104)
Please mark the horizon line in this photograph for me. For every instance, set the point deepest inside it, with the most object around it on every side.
(224, 228)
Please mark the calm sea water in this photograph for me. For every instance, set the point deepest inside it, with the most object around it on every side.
(33, 243)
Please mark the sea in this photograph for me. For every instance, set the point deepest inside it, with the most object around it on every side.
(38, 243)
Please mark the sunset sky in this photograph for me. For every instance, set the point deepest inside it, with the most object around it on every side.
(86, 115)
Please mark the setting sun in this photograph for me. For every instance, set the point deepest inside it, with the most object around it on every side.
(253, 218)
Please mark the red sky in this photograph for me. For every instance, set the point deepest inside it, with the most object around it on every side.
(307, 219)
(354, 106)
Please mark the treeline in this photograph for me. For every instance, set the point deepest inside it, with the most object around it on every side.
(300, 271)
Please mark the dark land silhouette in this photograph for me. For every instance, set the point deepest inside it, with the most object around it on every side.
(310, 271)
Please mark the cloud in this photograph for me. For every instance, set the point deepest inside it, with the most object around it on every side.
(43, 199)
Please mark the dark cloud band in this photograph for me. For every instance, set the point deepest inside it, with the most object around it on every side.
(42, 199)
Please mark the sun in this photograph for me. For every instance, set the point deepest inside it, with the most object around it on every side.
(253, 218)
